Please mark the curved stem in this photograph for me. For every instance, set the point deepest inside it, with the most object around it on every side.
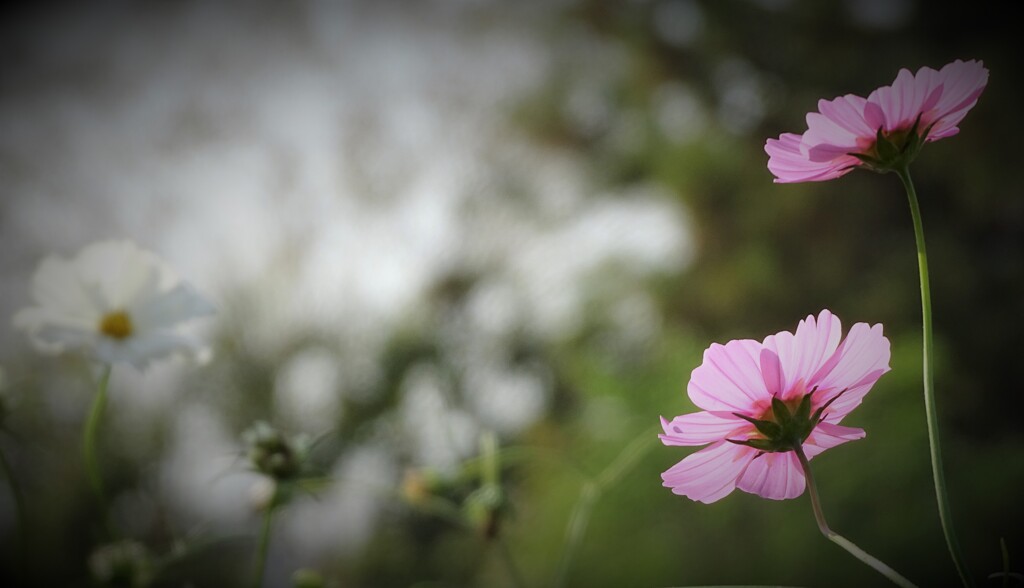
(931, 414)
(838, 539)
(261, 551)
(574, 533)
(92, 425)
(592, 490)
(19, 502)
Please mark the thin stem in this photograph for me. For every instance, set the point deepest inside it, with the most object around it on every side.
(931, 414)
(489, 454)
(92, 426)
(577, 527)
(261, 550)
(838, 539)
(19, 502)
(589, 495)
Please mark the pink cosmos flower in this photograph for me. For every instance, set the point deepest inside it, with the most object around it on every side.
(759, 400)
(884, 131)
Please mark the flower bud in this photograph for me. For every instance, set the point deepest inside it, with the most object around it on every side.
(272, 453)
(123, 564)
(418, 485)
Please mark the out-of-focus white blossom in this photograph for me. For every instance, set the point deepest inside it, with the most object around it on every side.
(113, 302)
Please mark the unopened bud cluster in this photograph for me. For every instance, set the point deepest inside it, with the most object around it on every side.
(274, 454)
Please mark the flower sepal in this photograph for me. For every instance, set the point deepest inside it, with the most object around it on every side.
(787, 425)
(894, 151)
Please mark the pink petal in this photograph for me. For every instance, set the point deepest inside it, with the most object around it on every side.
(700, 428)
(847, 112)
(942, 131)
(961, 84)
(828, 435)
(855, 366)
(771, 373)
(823, 131)
(776, 476)
(904, 100)
(912, 93)
(853, 396)
(730, 379)
(802, 354)
(838, 128)
(709, 474)
(789, 164)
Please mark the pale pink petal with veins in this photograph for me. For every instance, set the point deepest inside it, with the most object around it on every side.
(738, 381)
(848, 125)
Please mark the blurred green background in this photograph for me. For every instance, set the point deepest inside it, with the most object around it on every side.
(538, 216)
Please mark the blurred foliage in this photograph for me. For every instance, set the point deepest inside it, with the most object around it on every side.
(767, 255)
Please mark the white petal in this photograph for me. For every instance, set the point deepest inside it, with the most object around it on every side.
(53, 333)
(121, 272)
(167, 309)
(140, 350)
(55, 285)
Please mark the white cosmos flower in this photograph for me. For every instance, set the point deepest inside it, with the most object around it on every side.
(114, 302)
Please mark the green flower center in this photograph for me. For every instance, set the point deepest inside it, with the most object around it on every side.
(117, 325)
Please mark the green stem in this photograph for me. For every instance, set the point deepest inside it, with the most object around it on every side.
(838, 539)
(931, 414)
(577, 527)
(92, 426)
(589, 495)
(19, 502)
(489, 453)
(261, 551)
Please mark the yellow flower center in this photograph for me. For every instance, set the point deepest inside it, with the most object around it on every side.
(116, 325)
